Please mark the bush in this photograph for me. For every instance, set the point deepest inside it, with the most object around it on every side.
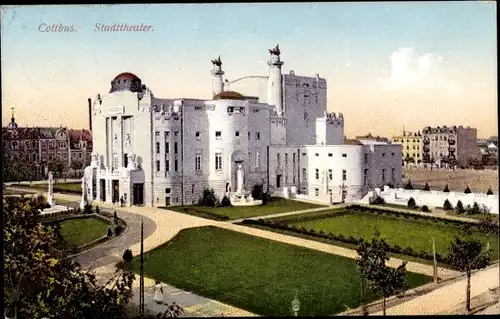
(489, 192)
(459, 209)
(110, 232)
(258, 192)
(97, 209)
(426, 187)
(467, 190)
(397, 249)
(119, 229)
(447, 205)
(475, 209)
(209, 198)
(411, 203)
(225, 201)
(87, 209)
(127, 255)
(446, 189)
(425, 208)
(409, 185)
(378, 201)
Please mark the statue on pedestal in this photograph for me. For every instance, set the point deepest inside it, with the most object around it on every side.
(83, 201)
(51, 200)
(240, 175)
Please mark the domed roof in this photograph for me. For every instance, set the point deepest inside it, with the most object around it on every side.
(229, 95)
(126, 81)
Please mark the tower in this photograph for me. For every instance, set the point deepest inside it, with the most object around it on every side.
(12, 125)
(274, 88)
(217, 82)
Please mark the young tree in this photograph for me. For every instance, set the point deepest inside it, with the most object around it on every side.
(426, 187)
(475, 209)
(446, 189)
(375, 274)
(411, 203)
(489, 192)
(409, 185)
(465, 255)
(467, 190)
(459, 208)
(447, 205)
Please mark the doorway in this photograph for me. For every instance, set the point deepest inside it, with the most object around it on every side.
(138, 194)
(103, 190)
(116, 191)
(278, 181)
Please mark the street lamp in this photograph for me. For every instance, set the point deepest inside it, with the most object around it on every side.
(296, 306)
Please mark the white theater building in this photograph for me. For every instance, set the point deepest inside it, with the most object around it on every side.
(275, 132)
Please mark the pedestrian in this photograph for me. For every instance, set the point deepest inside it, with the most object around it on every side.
(158, 297)
(121, 201)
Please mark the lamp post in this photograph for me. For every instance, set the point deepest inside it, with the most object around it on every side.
(296, 306)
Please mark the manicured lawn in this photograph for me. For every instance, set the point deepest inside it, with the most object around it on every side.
(75, 186)
(274, 206)
(418, 209)
(80, 231)
(474, 216)
(256, 274)
(414, 233)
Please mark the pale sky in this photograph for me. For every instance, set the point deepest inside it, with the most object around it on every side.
(387, 64)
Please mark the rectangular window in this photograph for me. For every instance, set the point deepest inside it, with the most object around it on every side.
(167, 190)
(248, 135)
(366, 158)
(192, 188)
(316, 192)
(176, 148)
(330, 154)
(392, 154)
(167, 147)
(167, 134)
(157, 147)
(344, 155)
(365, 177)
(197, 162)
(383, 175)
(393, 174)
(197, 134)
(344, 175)
(167, 166)
(218, 161)
(157, 166)
(176, 165)
(383, 154)
(218, 135)
(257, 135)
(304, 174)
(237, 134)
(157, 134)
(125, 159)
(330, 174)
(316, 173)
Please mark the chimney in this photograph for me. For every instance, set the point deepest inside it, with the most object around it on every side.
(90, 115)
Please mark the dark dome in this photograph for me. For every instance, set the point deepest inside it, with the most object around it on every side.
(126, 82)
(229, 95)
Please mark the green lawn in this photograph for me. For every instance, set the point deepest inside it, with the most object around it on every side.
(76, 186)
(414, 233)
(256, 274)
(274, 206)
(80, 231)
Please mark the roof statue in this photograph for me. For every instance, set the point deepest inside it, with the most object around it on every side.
(275, 50)
(217, 62)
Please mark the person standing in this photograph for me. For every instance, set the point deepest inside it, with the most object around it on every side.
(158, 297)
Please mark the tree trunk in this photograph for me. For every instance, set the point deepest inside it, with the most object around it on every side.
(467, 300)
(384, 305)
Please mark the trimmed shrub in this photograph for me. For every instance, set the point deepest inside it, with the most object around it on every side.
(489, 192)
(409, 185)
(459, 209)
(378, 201)
(467, 190)
(397, 249)
(447, 205)
(209, 198)
(475, 209)
(127, 255)
(87, 209)
(341, 237)
(446, 189)
(425, 208)
(97, 209)
(225, 202)
(258, 192)
(426, 187)
(411, 203)
(119, 229)
(110, 232)
(352, 240)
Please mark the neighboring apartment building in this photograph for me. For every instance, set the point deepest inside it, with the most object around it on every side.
(156, 152)
(370, 138)
(40, 145)
(412, 146)
(441, 144)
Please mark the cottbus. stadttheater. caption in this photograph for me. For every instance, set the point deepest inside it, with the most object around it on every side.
(98, 27)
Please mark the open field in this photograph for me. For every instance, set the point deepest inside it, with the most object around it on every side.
(256, 274)
(478, 181)
(274, 206)
(404, 232)
(80, 231)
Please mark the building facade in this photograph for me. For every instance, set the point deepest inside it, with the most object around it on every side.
(39, 146)
(444, 144)
(165, 152)
(412, 146)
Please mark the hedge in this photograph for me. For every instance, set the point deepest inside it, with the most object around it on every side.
(209, 215)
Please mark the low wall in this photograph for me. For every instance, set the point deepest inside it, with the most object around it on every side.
(436, 198)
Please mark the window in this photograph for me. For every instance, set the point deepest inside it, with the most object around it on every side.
(218, 161)
(316, 173)
(157, 166)
(365, 177)
(257, 135)
(257, 159)
(304, 154)
(176, 165)
(392, 154)
(344, 175)
(218, 135)
(316, 192)
(383, 154)
(383, 175)
(167, 190)
(344, 155)
(316, 154)
(393, 174)
(192, 188)
(248, 135)
(176, 133)
(157, 134)
(167, 147)
(176, 149)
(167, 166)
(304, 174)
(366, 158)
(125, 159)
(197, 135)
(197, 162)
(330, 154)
(167, 134)
(157, 147)
(330, 174)
(237, 133)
